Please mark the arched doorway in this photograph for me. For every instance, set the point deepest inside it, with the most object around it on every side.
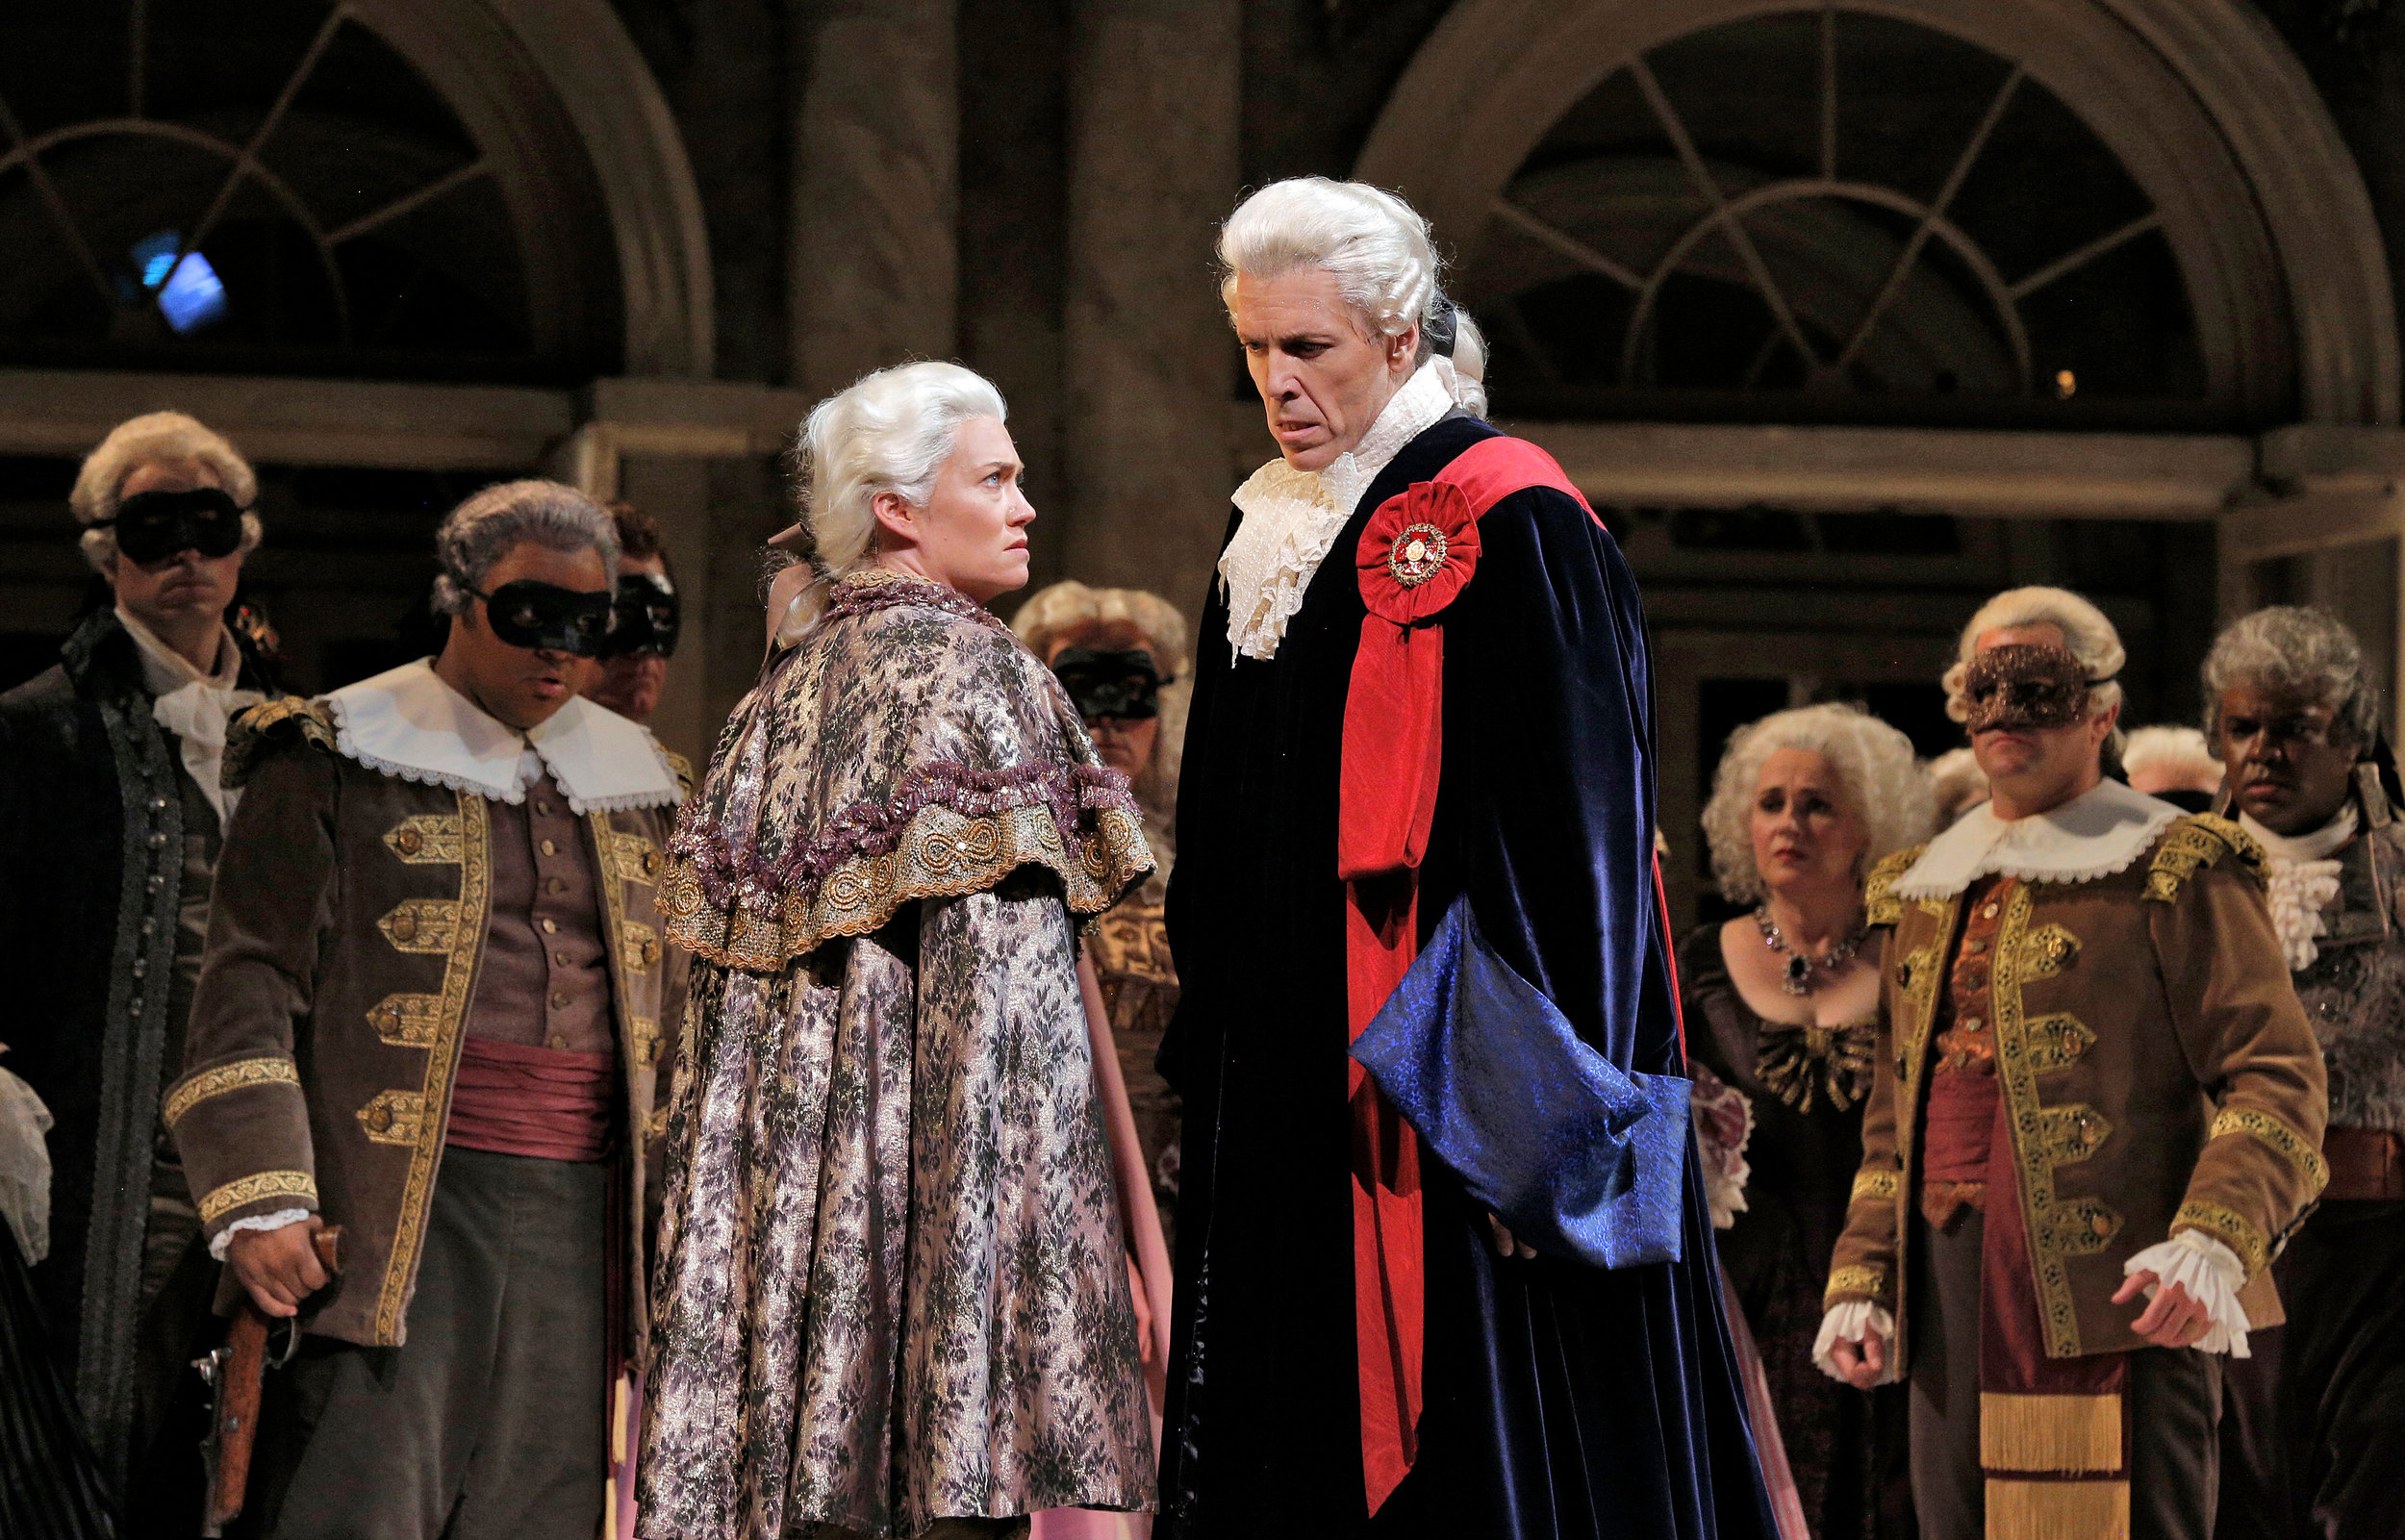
(1852, 310)
(388, 246)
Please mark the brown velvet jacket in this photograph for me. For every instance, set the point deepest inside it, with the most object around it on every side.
(349, 922)
(2157, 1072)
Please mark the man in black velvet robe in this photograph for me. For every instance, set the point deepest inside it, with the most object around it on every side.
(1560, 1398)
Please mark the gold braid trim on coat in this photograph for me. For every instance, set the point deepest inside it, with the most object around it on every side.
(2284, 1141)
(2193, 843)
(1880, 904)
(253, 733)
(219, 1078)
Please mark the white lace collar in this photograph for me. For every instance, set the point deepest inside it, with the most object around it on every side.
(2095, 834)
(1292, 516)
(408, 722)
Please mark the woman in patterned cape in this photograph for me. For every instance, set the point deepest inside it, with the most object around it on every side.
(893, 1297)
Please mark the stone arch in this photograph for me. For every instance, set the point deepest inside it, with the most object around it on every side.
(2207, 110)
(479, 54)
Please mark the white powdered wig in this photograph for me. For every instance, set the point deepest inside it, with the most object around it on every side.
(2286, 649)
(1068, 605)
(2170, 759)
(1957, 782)
(890, 431)
(495, 522)
(1377, 245)
(155, 437)
(1468, 365)
(2086, 631)
(1878, 781)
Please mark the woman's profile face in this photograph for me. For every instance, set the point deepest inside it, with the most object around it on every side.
(973, 533)
(1804, 831)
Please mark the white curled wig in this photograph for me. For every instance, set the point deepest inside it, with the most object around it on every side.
(1878, 780)
(890, 431)
(2174, 758)
(2295, 650)
(1068, 606)
(496, 520)
(155, 437)
(2086, 631)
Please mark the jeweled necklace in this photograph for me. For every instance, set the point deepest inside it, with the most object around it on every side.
(1797, 977)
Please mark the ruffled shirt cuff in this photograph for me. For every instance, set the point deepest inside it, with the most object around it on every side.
(277, 1220)
(1849, 1321)
(2213, 1274)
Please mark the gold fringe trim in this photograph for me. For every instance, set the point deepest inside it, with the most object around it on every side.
(2064, 1433)
(2058, 1511)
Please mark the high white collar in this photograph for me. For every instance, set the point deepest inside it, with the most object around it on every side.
(1292, 516)
(408, 722)
(2314, 844)
(2099, 832)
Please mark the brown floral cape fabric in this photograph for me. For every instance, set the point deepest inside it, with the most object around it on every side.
(893, 1287)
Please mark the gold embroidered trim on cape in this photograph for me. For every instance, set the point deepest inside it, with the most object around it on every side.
(249, 736)
(941, 854)
(1857, 1283)
(218, 1079)
(1880, 904)
(223, 1201)
(2285, 1141)
(468, 914)
(1879, 1184)
(2058, 1510)
(2065, 1434)
(2229, 1226)
(2193, 843)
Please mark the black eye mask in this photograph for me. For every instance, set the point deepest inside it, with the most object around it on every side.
(647, 613)
(549, 619)
(1110, 683)
(152, 526)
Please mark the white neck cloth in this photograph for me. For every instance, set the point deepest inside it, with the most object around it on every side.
(1292, 516)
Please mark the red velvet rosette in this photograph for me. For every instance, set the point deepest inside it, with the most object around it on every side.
(1420, 549)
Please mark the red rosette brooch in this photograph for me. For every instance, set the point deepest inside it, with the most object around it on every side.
(1420, 548)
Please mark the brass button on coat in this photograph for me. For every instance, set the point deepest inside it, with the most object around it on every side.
(550, 926)
(409, 842)
(551, 848)
(404, 926)
(378, 1117)
(559, 999)
(557, 884)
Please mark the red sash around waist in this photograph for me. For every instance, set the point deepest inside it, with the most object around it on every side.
(513, 1099)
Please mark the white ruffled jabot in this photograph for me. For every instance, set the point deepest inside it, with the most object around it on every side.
(408, 722)
(2303, 877)
(2095, 834)
(1292, 516)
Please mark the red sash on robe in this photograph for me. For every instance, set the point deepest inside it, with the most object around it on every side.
(1420, 549)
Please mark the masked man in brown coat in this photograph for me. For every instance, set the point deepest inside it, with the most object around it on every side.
(431, 1012)
(2093, 1083)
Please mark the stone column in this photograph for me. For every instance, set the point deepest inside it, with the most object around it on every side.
(1153, 122)
(874, 256)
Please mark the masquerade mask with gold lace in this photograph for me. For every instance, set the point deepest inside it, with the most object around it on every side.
(2023, 685)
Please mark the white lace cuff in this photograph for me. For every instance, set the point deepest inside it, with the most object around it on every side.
(1849, 1321)
(277, 1220)
(2213, 1274)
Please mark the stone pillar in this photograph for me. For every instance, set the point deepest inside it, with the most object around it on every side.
(1155, 111)
(874, 264)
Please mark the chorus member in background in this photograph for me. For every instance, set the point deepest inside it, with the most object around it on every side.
(1781, 1010)
(1121, 653)
(893, 1218)
(112, 819)
(430, 1013)
(1416, 811)
(1957, 784)
(2096, 1108)
(2297, 720)
(632, 668)
(2175, 763)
